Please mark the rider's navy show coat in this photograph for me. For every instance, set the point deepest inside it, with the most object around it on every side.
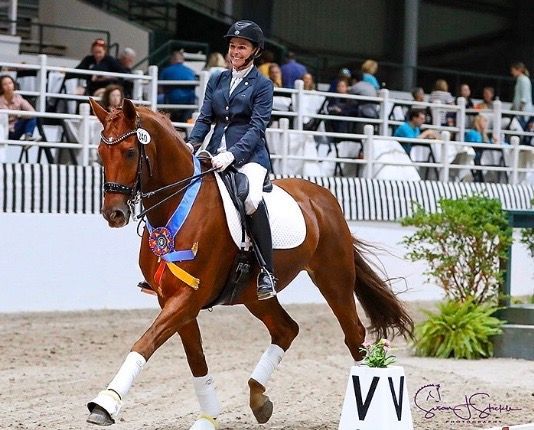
(242, 117)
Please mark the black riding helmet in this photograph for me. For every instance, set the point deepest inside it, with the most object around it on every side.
(246, 30)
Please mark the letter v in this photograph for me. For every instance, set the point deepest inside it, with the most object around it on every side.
(398, 405)
(363, 407)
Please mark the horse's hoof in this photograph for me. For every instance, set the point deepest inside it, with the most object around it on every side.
(204, 423)
(100, 417)
(264, 412)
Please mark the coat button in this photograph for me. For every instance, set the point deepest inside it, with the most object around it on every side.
(227, 107)
(226, 118)
(246, 83)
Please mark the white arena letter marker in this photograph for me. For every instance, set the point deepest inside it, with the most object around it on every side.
(376, 398)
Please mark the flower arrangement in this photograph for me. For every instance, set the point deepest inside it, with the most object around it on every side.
(377, 354)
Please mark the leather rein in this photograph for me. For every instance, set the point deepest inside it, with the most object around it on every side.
(135, 193)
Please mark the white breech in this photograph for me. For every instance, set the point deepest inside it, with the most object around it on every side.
(268, 363)
(256, 176)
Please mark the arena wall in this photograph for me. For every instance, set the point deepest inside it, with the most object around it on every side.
(59, 253)
(67, 262)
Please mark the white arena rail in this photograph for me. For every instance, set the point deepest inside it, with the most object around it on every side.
(299, 106)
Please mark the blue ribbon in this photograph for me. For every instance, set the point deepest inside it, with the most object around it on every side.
(179, 216)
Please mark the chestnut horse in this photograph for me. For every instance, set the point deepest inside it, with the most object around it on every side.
(134, 165)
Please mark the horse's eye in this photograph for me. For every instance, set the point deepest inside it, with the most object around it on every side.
(131, 153)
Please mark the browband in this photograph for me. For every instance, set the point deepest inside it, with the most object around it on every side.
(114, 140)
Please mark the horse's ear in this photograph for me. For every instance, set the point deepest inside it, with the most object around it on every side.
(128, 109)
(99, 111)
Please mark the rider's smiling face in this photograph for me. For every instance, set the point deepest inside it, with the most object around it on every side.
(240, 50)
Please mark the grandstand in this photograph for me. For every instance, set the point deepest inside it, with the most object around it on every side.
(152, 29)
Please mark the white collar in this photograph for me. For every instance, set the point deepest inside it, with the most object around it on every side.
(240, 74)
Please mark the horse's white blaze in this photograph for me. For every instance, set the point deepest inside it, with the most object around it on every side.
(207, 396)
(268, 363)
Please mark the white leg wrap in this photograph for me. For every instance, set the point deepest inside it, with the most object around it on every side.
(358, 362)
(207, 396)
(269, 361)
(124, 378)
(109, 400)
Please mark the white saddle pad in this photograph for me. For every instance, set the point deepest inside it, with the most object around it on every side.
(288, 228)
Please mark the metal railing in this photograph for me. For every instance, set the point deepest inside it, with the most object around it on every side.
(41, 45)
(146, 91)
(444, 166)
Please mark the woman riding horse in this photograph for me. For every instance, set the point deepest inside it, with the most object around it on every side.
(239, 102)
(187, 251)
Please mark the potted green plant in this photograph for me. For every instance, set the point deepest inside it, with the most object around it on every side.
(465, 246)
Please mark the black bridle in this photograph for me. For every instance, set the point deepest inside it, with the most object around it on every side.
(135, 193)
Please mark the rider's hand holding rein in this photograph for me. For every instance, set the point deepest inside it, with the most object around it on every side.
(222, 161)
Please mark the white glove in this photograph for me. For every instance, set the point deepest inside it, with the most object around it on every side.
(222, 161)
(190, 147)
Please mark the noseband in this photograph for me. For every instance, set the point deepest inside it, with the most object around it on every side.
(133, 192)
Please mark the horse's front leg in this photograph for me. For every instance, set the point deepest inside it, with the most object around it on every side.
(202, 380)
(173, 316)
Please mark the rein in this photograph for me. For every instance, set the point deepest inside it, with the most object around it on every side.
(192, 180)
(135, 192)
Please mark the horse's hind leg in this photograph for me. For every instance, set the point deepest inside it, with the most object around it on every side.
(336, 281)
(283, 329)
(202, 380)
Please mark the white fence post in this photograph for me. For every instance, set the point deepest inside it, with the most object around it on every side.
(384, 115)
(368, 152)
(444, 172)
(41, 103)
(497, 121)
(137, 92)
(12, 16)
(153, 87)
(460, 119)
(284, 126)
(299, 86)
(515, 158)
(85, 112)
(436, 113)
(203, 78)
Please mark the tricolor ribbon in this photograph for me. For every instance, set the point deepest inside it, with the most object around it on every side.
(168, 256)
(177, 271)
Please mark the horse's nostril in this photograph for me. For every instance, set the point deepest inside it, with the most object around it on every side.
(117, 215)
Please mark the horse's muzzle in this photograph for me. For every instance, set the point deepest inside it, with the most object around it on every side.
(117, 217)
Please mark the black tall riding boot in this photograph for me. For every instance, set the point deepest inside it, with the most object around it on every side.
(260, 230)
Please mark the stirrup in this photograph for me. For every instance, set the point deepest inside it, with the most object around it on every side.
(266, 291)
(146, 288)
